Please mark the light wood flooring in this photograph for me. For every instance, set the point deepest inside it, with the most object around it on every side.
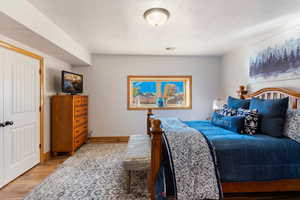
(17, 189)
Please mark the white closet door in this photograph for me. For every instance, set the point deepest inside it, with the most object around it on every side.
(2, 171)
(21, 106)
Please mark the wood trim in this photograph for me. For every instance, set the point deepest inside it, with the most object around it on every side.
(162, 77)
(128, 91)
(42, 108)
(46, 156)
(20, 50)
(158, 76)
(113, 139)
(285, 185)
(166, 108)
(42, 86)
(191, 92)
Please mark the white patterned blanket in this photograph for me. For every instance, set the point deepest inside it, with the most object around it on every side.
(193, 162)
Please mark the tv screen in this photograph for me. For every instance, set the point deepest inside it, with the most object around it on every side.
(72, 83)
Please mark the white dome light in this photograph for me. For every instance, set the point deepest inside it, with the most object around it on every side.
(156, 16)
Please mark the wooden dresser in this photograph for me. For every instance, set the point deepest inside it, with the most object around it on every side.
(69, 114)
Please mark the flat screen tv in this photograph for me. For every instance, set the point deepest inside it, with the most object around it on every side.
(72, 83)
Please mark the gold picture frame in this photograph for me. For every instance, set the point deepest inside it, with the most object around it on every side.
(159, 92)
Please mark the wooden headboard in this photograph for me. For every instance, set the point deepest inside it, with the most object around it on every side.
(273, 93)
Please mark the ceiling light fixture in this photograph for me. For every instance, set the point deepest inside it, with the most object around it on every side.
(156, 16)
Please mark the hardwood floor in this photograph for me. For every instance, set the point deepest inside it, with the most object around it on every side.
(17, 189)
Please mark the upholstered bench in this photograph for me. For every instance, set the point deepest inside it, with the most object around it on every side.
(138, 156)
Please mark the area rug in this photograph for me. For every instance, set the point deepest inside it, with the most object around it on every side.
(95, 172)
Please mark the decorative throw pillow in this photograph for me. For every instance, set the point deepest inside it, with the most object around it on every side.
(243, 112)
(227, 111)
(292, 125)
(238, 103)
(251, 124)
(232, 123)
(273, 113)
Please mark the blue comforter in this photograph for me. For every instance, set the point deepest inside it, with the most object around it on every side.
(251, 158)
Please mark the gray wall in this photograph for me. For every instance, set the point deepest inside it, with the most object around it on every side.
(106, 84)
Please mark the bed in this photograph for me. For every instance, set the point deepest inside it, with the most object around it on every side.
(257, 163)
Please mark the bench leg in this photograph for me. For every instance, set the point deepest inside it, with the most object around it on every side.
(129, 182)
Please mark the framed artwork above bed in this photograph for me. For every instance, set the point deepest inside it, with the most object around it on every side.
(276, 58)
(159, 92)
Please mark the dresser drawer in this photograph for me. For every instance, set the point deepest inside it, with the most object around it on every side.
(81, 130)
(84, 100)
(80, 110)
(79, 141)
(79, 121)
(80, 100)
(77, 101)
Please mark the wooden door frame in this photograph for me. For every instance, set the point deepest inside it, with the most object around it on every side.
(43, 156)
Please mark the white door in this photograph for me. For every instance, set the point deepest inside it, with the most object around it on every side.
(21, 113)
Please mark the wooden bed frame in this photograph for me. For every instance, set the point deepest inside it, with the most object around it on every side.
(155, 131)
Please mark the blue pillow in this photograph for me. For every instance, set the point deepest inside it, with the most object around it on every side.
(273, 113)
(232, 123)
(238, 103)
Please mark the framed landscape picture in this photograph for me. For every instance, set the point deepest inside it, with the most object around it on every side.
(159, 92)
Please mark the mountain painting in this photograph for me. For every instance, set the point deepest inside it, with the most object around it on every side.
(159, 92)
(278, 61)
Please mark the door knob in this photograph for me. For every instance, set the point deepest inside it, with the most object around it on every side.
(8, 123)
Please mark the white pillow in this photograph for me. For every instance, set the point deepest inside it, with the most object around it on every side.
(292, 125)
